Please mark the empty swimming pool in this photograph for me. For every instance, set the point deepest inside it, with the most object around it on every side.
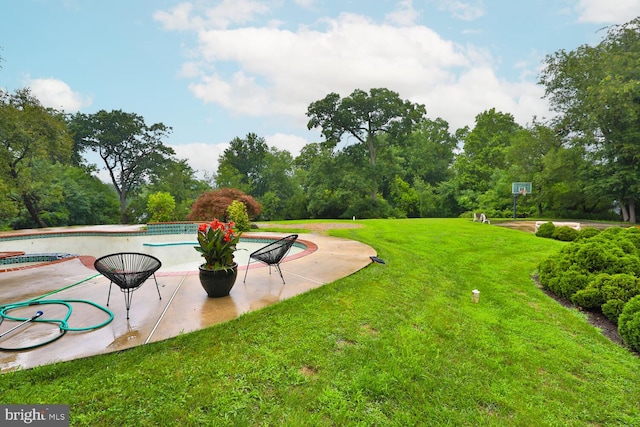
(175, 251)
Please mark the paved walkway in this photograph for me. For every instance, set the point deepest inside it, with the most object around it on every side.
(184, 306)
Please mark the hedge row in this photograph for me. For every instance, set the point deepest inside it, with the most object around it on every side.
(564, 232)
(600, 271)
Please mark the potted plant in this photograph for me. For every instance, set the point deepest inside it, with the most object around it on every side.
(216, 244)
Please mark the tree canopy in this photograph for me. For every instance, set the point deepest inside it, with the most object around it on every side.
(128, 147)
(596, 91)
(364, 116)
(30, 134)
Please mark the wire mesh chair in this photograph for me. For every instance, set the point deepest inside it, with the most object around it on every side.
(272, 254)
(128, 270)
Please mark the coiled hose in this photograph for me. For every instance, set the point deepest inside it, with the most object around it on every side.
(63, 324)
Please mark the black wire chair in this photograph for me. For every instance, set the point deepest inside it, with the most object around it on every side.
(272, 254)
(128, 270)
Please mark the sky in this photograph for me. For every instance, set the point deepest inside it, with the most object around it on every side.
(214, 70)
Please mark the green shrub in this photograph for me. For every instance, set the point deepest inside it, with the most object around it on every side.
(590, 297)
(565, 233)
(597, 272)
(625, 244)
(628, 264)
(594, 256)
(629, 323)
(237, 212)
(609, 292)
(587, 233)
(620, 286)
(612, 309)
(568, 282)
(546, 230)
(161, 207)
(633, 235)
(612, 231)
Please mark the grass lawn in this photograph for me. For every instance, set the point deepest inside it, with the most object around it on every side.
(399, 344)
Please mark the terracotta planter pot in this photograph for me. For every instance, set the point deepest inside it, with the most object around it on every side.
(218, 283)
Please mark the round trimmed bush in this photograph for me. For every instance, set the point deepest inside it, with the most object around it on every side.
(546, 230)
(633, 235)
(612, 309)
(594, 256)
(608, 292)
(590, 297)
(565, 233)
(627, 264)
(629, 323)
(625, 244)
(612, 231)
(587, 233)
(569, 282)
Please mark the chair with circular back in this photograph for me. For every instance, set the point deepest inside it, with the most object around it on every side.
(128, 270)
(272, 254)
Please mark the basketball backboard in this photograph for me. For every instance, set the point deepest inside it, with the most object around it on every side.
(521, 188)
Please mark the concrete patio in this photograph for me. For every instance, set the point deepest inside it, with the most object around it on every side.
(184, 306)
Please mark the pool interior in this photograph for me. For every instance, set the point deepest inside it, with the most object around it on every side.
(175, 255)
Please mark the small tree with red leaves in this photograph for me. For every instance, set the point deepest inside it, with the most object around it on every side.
(214, 204)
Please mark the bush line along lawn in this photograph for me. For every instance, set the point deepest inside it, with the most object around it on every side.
(399, 344)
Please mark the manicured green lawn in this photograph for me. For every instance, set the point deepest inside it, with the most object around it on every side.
(399, 344)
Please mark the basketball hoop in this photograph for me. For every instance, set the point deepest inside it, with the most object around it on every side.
(523, 191)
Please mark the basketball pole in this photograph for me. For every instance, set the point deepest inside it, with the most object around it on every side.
(515, 201)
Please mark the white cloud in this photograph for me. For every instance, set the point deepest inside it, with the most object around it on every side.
(57, 94)
(277, 71)
(292, 143)
(202, 157)
(479, 90)
(465, 10)
(228, 12)
(305, 3)
(608, 12)
(405, 15)
(267, 71)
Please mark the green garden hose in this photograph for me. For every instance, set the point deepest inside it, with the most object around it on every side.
(63, 324)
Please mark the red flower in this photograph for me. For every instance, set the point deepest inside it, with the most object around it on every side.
(216, 243)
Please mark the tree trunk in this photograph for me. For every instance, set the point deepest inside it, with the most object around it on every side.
(624, 212)
(31, 206)
(632, 212)
(372, 162)
(123, 208)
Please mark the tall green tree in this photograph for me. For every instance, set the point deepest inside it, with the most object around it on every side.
(29, 133)
(596, 91)
(364, 116)
(128, 147)
(178, 179)
(242, 165)
(69, 195)
(428, 152)
(479, 167)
